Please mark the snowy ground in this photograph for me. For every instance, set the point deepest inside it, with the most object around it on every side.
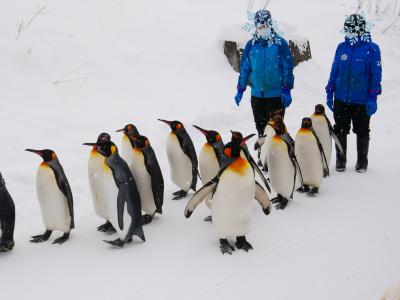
(145, 60)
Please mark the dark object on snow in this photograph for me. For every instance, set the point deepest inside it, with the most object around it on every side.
(233, 52)
(7, 218)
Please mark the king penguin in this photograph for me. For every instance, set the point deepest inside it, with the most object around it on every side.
(126, 145)
(7, 218)
(311, 158)
(211, 158)
(96, 174)
(124, 209)
(324, 130)
(182, 159)
(283, 167)
(55, 197)
(148, 177)
(233, 191)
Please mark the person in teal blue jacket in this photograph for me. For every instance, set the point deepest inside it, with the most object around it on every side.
(353, 87)
(267, 64)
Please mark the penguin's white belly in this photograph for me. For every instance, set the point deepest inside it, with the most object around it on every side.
(269, 133)
(111, 192)
(309, 159)
(180, 164)
(143, 182)
(53, 203)
(231, 207)
(126, 149)
(322, 130)
(280, 168)
(96, 172)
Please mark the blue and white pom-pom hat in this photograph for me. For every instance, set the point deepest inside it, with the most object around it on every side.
(262, 18)
(356, 29)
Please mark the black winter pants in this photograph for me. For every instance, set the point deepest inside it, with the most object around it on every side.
(345, 114)
(262, 109)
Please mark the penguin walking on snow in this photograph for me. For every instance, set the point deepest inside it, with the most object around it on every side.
(283, 167)
(148, 177)
(126, 145)
(324, 131)
(124, 206)
(55, 197)
(182, 159)
(311, 158)
(96, 174)
(233, 191)
(7, 218)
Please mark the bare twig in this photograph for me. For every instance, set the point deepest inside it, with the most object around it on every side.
(63, 79)
(22, 27)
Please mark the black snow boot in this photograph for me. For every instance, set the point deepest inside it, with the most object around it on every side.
(341, 157)
(362, 154)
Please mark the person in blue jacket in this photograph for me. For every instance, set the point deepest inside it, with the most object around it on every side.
(268, 64)
(353, 87)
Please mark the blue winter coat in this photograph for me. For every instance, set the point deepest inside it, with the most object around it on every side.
(356, 71)
(269, 68)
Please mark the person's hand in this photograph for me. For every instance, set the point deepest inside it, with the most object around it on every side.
(329, 97)
(238, 97)
(371, 106)
(286, 97)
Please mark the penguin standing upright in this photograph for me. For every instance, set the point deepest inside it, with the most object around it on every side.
(182, 159)
(126, 145)
(55, 197)
(95, 174)
(233, 191)
(124, 206)
(148, 177)
(7, 218)
(311, 158)
(324, 130)
(282, 165)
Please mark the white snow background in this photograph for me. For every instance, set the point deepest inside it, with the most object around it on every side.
(83, 67)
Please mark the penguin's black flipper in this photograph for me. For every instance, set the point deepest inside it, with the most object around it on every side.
(157, 180)
(63, 185)
(262, 198)
(122, 196)
(255, 167)
(325, 165)
(200, 195)
(334, 136)
(188, 148)
(219, 152)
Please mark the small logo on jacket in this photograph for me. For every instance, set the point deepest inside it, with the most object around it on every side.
(344, 57)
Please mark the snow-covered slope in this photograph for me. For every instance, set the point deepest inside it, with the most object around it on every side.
(83, 67)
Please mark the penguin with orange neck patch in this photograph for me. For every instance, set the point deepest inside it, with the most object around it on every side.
(124, 205)
(148, 177)
(96, 174)
(233, 191)
(311, 158)
(182, 159)
(126, 145)
(55, 197)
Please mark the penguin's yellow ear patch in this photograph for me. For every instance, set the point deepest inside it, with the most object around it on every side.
(146, 142)
(53, 156)
(113, 149)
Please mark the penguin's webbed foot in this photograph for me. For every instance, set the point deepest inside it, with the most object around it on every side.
(313, 192)
(208, 219)
(326, 173)
(146, 219)
(179, 195)
(117, 243)
(225, 247)
(6, 246)
(281, 202)
(303, 189)
(62, 239)
(242, 243)
(106, 227)
(41, 237)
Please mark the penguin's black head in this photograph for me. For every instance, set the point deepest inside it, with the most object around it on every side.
(129, 129)
(319, 109)
(107, 148)
(211, 135)
(175, 125)
(140, 141)
(233, 148)
(46, 154)
(306, 123)
(236, 136)
(103, 137)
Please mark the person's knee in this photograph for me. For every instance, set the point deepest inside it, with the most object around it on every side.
(341, 129)
(362, 132)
